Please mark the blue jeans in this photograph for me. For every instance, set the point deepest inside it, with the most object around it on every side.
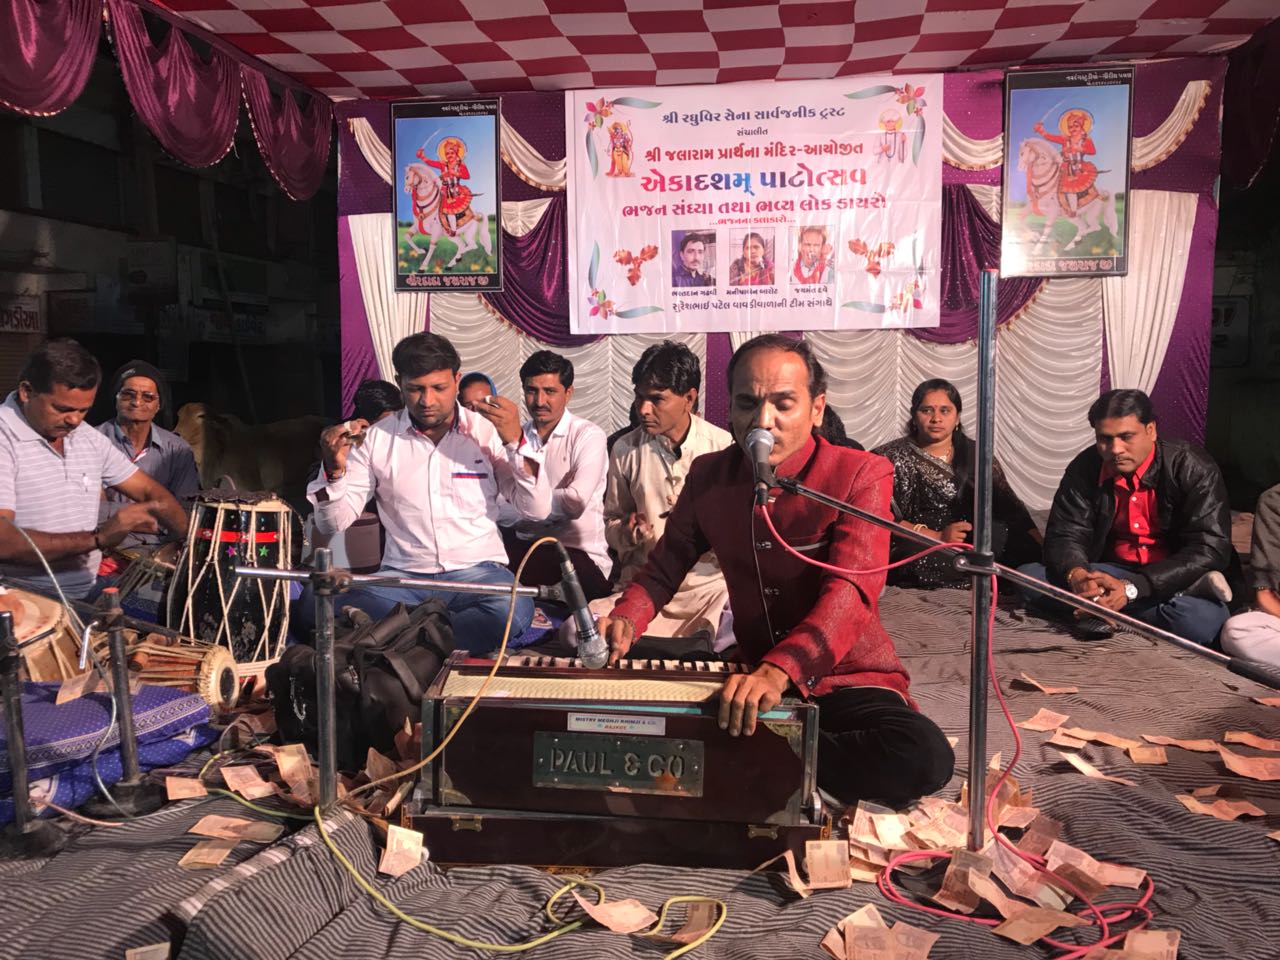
(477, 618)
(1195, 618)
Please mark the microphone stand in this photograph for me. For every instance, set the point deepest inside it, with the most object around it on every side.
(980, 564)
(328, 582)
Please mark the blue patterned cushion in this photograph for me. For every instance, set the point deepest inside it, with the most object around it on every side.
(60, 736)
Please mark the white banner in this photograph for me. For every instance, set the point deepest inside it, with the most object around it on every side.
(808, 205)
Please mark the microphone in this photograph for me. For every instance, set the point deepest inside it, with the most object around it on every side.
(759, 444)
(592, 649)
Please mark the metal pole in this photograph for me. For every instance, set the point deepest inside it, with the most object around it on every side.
(325, 696)
(132, 796)
(130, 770)
(982, 586)
(412, 583)
(22, 814)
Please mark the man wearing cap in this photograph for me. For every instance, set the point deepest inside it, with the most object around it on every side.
(53, 469)
(139, 390)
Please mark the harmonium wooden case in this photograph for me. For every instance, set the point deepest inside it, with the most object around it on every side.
(559, 765)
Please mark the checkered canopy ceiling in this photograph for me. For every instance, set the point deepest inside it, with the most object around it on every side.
(411, 48)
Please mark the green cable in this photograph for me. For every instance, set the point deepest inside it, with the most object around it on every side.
(218, 791)
(549, 909)
(445, 934)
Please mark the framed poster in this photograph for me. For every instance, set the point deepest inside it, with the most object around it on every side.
(1066, 172)
(445, 195)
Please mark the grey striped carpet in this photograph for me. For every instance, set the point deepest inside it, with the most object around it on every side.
(1219, 883)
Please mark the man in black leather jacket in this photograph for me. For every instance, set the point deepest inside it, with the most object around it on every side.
(1141, 525)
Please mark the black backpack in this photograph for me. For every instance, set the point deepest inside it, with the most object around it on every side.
(381, 670)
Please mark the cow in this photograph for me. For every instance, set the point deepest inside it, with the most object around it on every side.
(274, 456)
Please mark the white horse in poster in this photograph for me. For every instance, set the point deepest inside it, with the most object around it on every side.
(423, 185)
(1039, 160)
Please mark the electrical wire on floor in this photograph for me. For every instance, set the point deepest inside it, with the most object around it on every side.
(1103, 915)
(722, 910)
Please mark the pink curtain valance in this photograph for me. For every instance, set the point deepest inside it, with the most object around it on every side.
(46, 52)
(294, 143)
(191, 106)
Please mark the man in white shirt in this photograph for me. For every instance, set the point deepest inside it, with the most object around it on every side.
(435, 471)
(575, 462)
(647, 470)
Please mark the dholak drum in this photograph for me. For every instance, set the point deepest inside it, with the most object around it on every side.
(173, 661)
(207, 600)
(49, 647)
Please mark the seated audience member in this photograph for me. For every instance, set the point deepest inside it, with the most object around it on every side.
(832, 431)
(1255, 635)
(375, 399)
(1139, 524)
(474, 387)
(53, 470)
(933, 492)
(575, 464)
(805, 631)
(359, 547)
(139, 390)
(647, 471)
(435, 470)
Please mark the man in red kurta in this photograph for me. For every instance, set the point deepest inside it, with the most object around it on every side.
(804, 629)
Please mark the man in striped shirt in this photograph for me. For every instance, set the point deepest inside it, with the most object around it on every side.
(53, 469)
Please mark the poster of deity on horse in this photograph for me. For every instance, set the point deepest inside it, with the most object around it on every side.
(446, 187)
(1066, 172)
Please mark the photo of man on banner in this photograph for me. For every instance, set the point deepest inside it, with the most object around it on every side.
(694, 263)
(814, 255)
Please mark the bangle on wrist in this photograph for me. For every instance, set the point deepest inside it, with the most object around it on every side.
(97, 543)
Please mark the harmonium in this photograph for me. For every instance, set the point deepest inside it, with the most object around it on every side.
(560, 765)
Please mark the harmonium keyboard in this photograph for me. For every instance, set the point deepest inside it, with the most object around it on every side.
(560, 765)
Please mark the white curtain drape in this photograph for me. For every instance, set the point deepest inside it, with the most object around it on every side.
(966, 152)
(392, 316)
(376, 153)
(1141, 307)
(602, 370)
(1047, 367)
(528, 164)
(521, 216)
(1160, 143)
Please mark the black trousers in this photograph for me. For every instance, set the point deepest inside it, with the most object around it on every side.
(544, 567)
(872, 746)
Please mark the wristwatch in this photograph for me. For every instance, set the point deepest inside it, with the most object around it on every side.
(1130, 590)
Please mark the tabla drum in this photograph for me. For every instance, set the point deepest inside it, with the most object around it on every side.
(206, 600)
(48, 645)
(164, 660)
